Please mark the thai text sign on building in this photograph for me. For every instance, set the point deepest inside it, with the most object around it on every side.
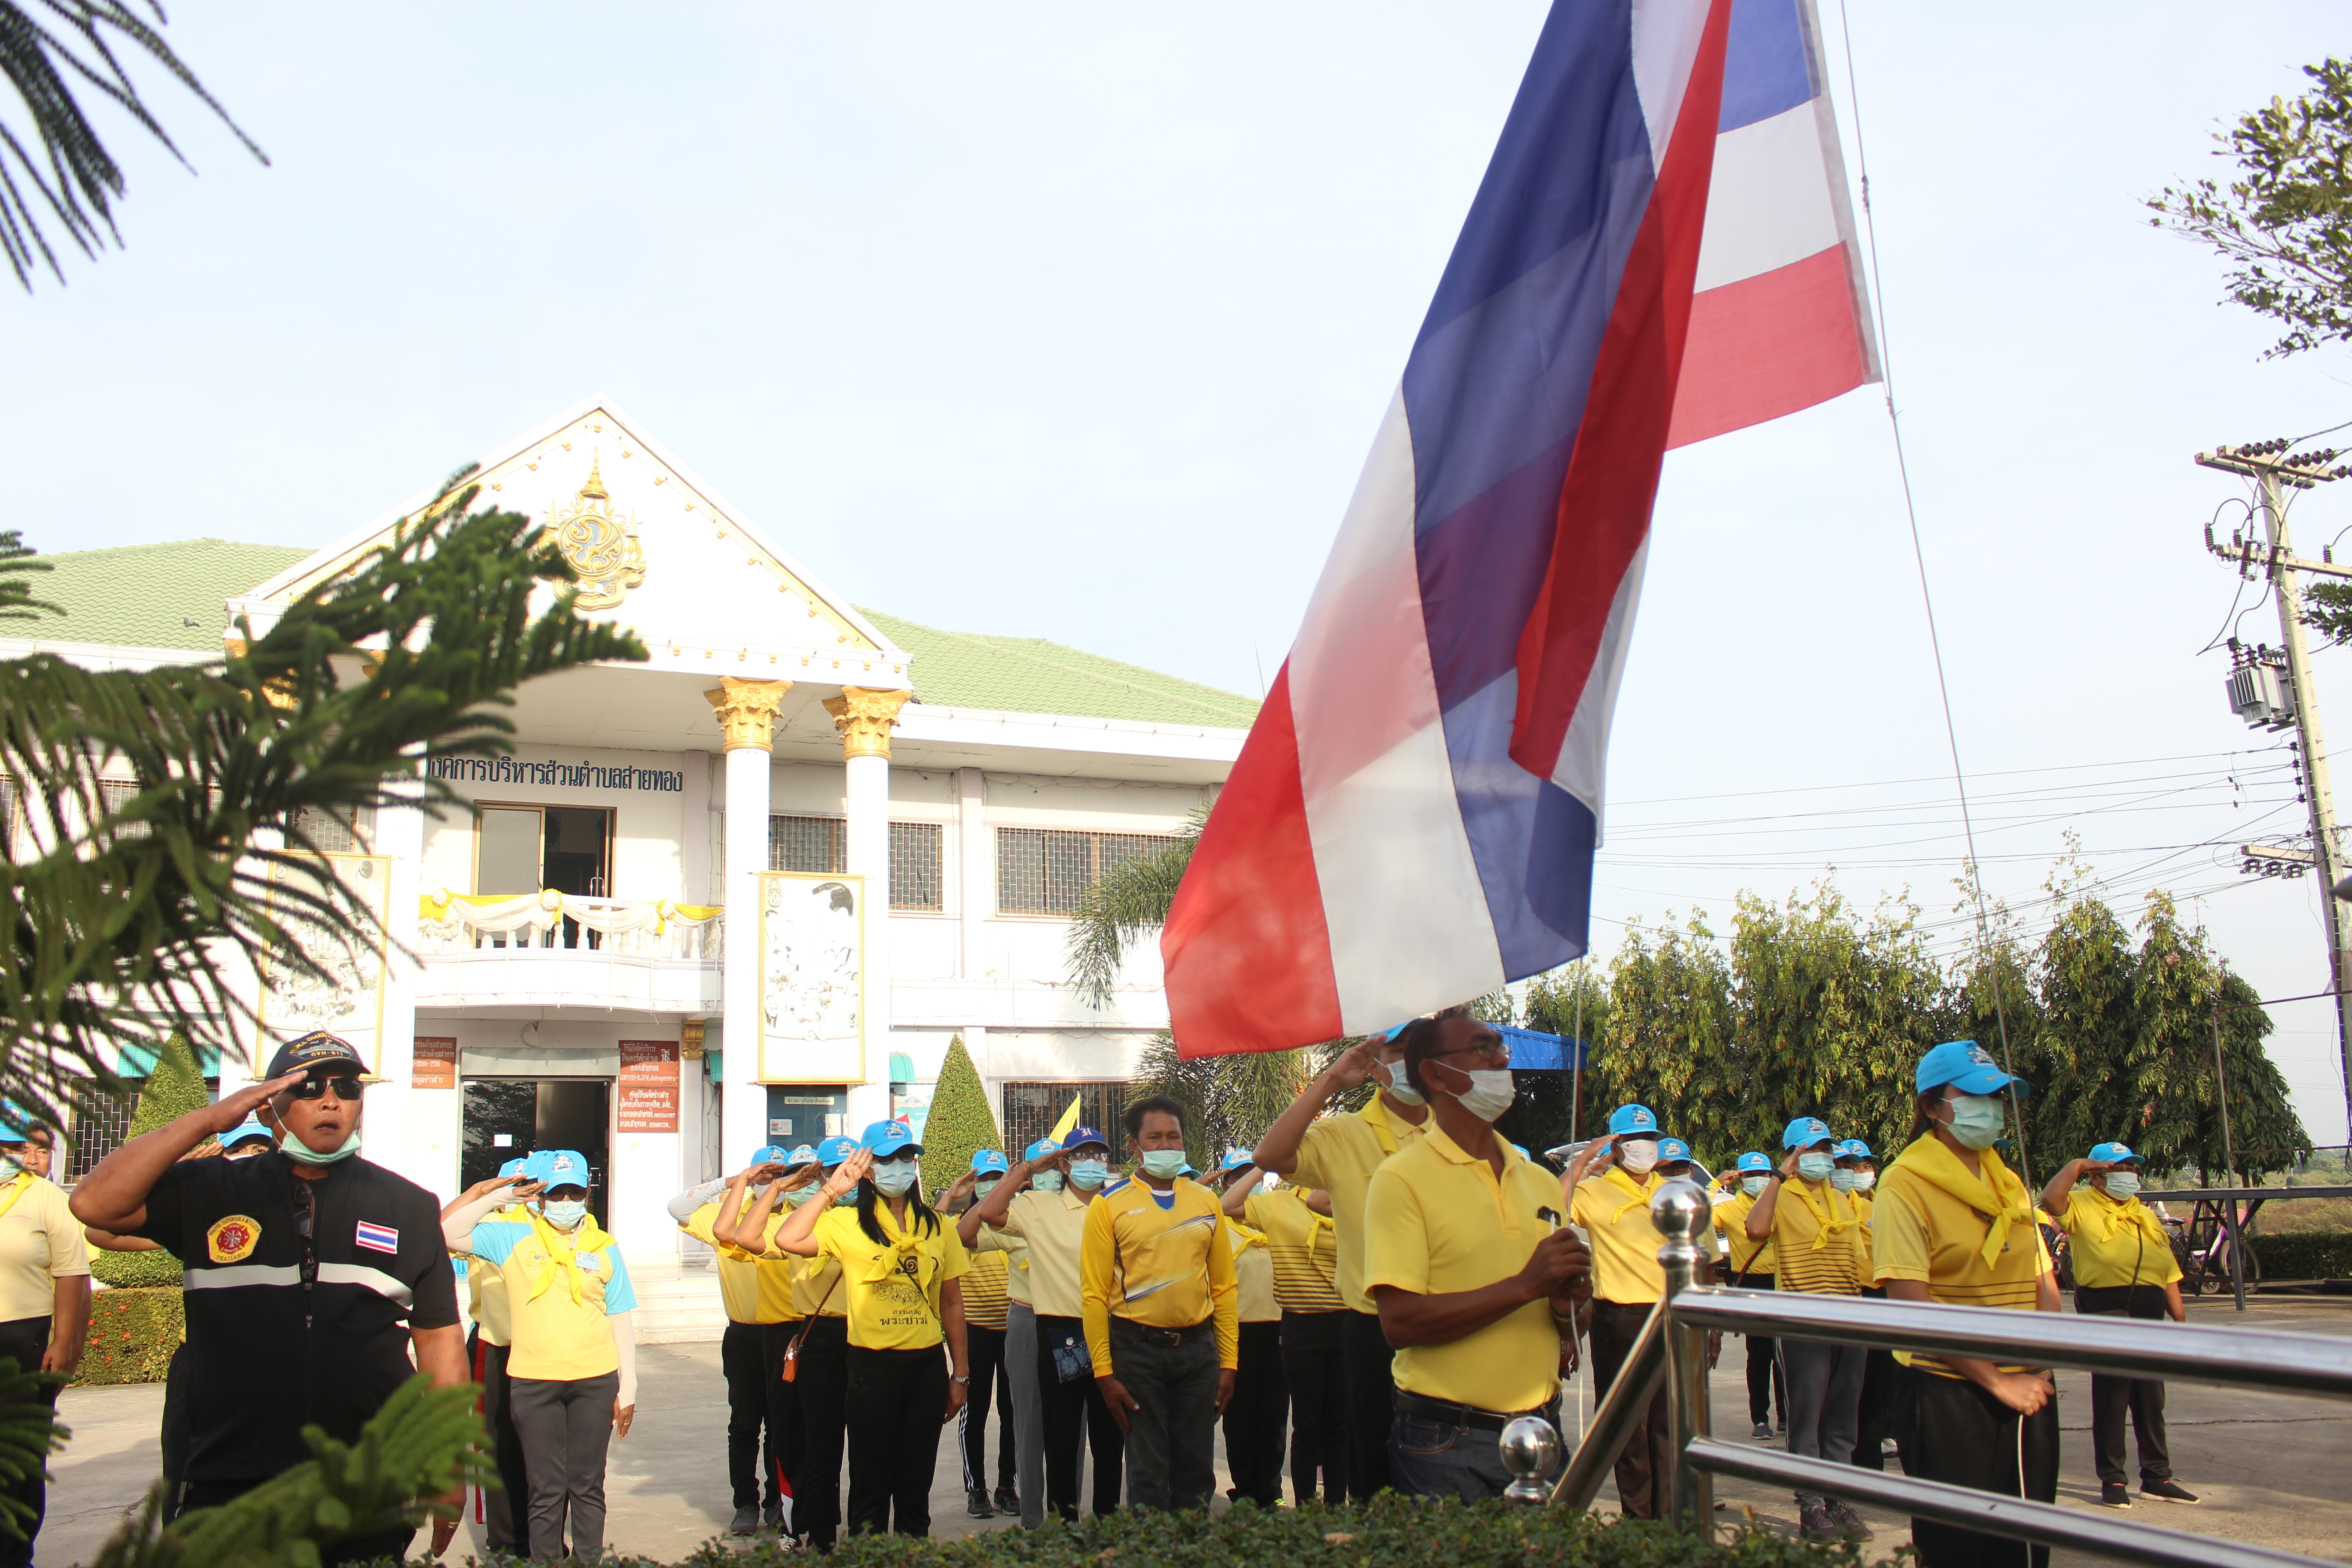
(648, 1087)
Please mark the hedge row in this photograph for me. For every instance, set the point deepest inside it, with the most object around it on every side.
(2304, 1255)
(132, 1335)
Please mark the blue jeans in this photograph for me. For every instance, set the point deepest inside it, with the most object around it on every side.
(1436, 1456)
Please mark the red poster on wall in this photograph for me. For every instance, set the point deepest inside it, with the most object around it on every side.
(648, 1087)
(435, 1065)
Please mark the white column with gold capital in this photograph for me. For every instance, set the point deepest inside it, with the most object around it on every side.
(865, 718)
(747, 716)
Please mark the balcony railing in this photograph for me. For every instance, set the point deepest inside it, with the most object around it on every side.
(451, 923)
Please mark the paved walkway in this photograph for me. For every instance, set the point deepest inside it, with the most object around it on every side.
(2270, 1468)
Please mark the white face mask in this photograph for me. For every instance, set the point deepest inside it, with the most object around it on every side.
(1841, 1180)
(1393, 1080)
(1754, 1185)
(1865, 1180)
(1491, 1092)
(2123, 1185)
(1640, 1156)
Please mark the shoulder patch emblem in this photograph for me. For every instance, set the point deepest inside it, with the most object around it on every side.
(233, 1238)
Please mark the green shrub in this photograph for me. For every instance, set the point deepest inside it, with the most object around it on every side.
(961, 1123)
(2304, 1255)
(176, 1088)
(132, 1333)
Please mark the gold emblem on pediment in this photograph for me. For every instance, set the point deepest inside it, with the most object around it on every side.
(599, 544)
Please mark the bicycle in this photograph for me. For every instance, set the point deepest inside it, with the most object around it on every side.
(2201, 1244)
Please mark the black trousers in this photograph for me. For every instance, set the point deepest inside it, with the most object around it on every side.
(2112, 1397)
(1312, 1369)
(1065, 1408)
(1824, 1397)
(781, 1421)
(984, 1354)
(177, 1433)
(1645, 1471)
(741, 1353)
(1171, 1437)
(351, 1549)
(898, 1403)
(1886, 1390)
(28, 1340)
(505, 1511)
(1766, 1391)
(1967, 1437)
(1254, 1417)
(821, 1388)
(1365, 1356)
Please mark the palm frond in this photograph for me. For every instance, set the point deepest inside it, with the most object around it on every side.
(1122, 906)
(1229, 1101)
(29, 1432)
(67, 164)
(16, 601)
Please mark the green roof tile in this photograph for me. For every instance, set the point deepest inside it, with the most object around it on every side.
(146, 595)
(1030, 674)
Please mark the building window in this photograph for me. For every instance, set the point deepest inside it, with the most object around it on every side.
(915, 865)
(101, 1123)
(12, 805)
(817, 843)
(113, 794)
(1031, 1111)
(1046, 871)
(329, 834)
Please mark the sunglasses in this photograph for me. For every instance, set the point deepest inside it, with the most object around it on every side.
(347, 1086)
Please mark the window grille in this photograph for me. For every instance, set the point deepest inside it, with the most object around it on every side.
(1046, 871)
(100, 1124)
(329, 836)
(113, 794)
(1031, 1110)
(818, 844)
(915, 865)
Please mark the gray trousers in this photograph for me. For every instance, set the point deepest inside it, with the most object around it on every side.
(1028, 1421)
(1172, 1434)
(566, 1427)
(1824, 1399)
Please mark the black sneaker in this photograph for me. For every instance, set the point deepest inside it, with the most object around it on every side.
(1849, 1523)
(975, 1500)
(1763, 1433)
(1814, 1523)
(2113, 1494)
(2168, 1490)
(772, 1517)
(746, 1520)
(1007, 1500)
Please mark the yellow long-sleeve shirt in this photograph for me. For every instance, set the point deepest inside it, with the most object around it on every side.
(1161, 1269)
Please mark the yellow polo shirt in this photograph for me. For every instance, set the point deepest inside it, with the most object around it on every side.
(1805, 1215)
(892, 1285)
(1252, 1275)
(557, 1313)
(486, 1291)
(1933, 1236)
(1614, 1211)
(753, 1291)
(40, 1243)
(1439, 1221)
(1054, 1225)
(1305, 1248)
(1746, 1256)
(1339, 1154)
(2115, 1244)
(1161, 1269)
(995, 1242)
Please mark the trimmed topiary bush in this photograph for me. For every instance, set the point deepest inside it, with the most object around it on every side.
(2303, 1254)
(132, 1333)
(961, 1123)
(176, 1088)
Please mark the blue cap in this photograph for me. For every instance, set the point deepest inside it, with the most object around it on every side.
(2114, 1153)
(1673, 1149)
(12, 1122)
(1634, 1119)
(1040, 1150)
(560, 1167)
(1804, 1133)
(512, 1168)
(804, 1154)
(888, 1139)
(771, 1154)
(252, 1127)
(833, 1151)
(1191, 1172)
(1967, 1067)
(1236, 1158)
(1079, 1135)
(1855, 1149)
(985, 1161)
(1754, 1159)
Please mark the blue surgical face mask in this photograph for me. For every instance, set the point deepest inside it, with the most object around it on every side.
(2123, 1185)
(1754, 1185)
(301, 1154)
(986, 1186)
(802, 1194)
(564, 1214)
(1163, 1164)
(1841, 1180)
(1046, 1181)
(1816, 1167)
(892, 1177)
(1088, 1175)
(1976, 1121)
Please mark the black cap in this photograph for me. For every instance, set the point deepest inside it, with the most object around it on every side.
(315, 1049)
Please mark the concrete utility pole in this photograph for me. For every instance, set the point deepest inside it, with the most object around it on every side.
(2253, 686)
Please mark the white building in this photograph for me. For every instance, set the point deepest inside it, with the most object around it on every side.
(729, 896)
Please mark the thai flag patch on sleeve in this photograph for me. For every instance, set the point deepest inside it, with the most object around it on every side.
(377, 1238)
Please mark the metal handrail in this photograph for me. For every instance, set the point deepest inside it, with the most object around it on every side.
(1676, 1334)
(2209, 1195)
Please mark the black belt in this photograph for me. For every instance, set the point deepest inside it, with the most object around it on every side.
(1453, 1415)
(1642, 1309)
(1169, 1337)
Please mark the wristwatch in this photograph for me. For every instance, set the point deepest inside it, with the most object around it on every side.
(958, 1380)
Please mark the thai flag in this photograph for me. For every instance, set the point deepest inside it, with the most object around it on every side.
(1413, 820)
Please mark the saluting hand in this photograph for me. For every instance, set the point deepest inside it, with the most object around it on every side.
(960, 1187)
(852, 1171)
(233, 1109)
(1354, 1066)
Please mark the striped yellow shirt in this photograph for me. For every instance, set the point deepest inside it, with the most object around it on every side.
(1305, 1248)
(1746, 1256)
(1801, 1216)
(1161, 1269)
(983, 1290)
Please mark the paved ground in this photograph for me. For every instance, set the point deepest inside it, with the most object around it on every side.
(2270, 1468)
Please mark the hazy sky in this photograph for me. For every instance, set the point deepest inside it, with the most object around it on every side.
(1076, 321)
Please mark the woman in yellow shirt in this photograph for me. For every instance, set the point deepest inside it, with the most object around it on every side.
(1953, 1224)
(2123, 1267)
(1254, 1417)
(1303, 1243)
(1753, 1265)
(901, 1270)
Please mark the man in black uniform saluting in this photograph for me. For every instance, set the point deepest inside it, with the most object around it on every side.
(310, 1274)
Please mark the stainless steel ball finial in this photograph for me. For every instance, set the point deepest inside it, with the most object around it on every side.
(1530, 1451)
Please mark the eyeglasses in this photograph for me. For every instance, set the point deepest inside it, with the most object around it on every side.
(346, 1086)
(1500, 1053)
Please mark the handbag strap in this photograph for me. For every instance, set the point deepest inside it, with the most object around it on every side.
(794, 1350)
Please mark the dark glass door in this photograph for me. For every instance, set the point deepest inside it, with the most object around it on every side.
(507, 1118)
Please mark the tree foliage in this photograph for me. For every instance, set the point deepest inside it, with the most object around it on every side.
(1228, 1101)
(2285, 223)
(960, 1122)
(174, 1087)
(50, 51)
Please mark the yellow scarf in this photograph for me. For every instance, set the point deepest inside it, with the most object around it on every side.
(891, 1264)
(1376, 1117)
(1640, 1190)
(17, 1187)
(2133, 1216)
(1830, 1224)
(563, 1251)
(1998, 1196)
